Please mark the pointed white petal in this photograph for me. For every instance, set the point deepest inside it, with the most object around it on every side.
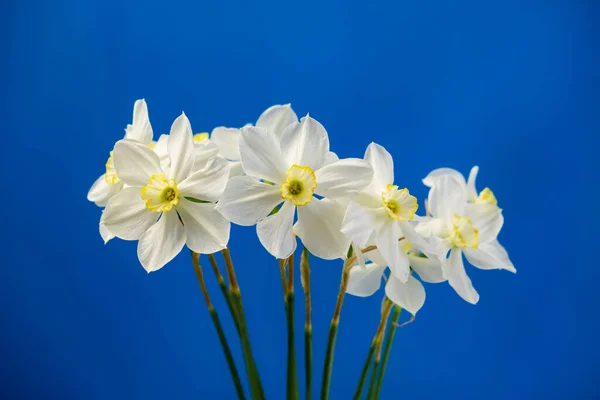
(181, 148)
(489, 256)
(364, 282)
(433, 176)
(331, 158)
(203, 153)
(429, 269)
(162, 242)
(318, 226)
(226, 139)
(409, 295)
(488, 220)
(140, 130)
(386, 240)
(208, 183)
(471, 189)
(207, 230)
(106, 234)
(447, 198)
(135, 162)
(416, 240)
(383, 164)
(358, 224)
(343, 179)
(126, 215)
(261, 154)
(454, 271)
(245, 200)
(275, 232)
(305, 143)
(276, 118)
(101, 192)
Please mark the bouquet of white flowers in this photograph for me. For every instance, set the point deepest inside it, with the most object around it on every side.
(186, 190)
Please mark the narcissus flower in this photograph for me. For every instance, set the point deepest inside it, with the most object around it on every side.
(486, 196)
(461, 227)
(166, 209)
(382, 214)
(289, 172)
(366, 280)
(109, 183)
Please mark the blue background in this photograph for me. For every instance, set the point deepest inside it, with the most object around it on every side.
(512, 87)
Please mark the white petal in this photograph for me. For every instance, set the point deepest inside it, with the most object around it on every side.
(140, 130)
(471, 189)
(101, 192)
(208, 183)
(181, 148)
(318, 226)
(245, 200)
(135, 162)
(489, 256)
(358, 224)
(383, 164)
(386, 240)
(106, 234)
(447, 198)
(203, 153)
(235, 168)
(305, 143)
(126, 215)
(226, 139)
(429, 269)
(488, 220)
(276, 118)
(416, 240)
(409, 295)
(331, 158)
(161, 147)
(454, 271)
(364, 282)
(162, 242)
(261, 154)
(433, 176)
(275, 232)
(344, 178)
(207, 230)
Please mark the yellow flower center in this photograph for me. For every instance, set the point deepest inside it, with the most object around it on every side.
(299, 186)
(160, 194)
(399, 204)
(486, 197)
(152, 145)
(463, 234)
(200, 137)
(111, 176)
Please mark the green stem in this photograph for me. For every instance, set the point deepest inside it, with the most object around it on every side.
(215, 318)
(364, 373)
(378, 342)
(388, 347)
(256, 388)
(333, 329)
(305, 275)
(373, 382)
(292, 375)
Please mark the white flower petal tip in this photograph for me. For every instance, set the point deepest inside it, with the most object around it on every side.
(275, 232)
(305, 143)
(276, 118)
(409, 295)
(365, 281)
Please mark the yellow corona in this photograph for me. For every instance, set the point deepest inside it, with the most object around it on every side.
(160, 194)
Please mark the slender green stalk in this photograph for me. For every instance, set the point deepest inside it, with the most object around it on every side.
(224, 290)
(222, 338)
(388, 347)
(378, 342)
(292, 374)
(305, 274)
(333, 329)
(364, 373)
(256, 388)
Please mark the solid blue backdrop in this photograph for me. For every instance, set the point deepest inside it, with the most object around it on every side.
(512, 87)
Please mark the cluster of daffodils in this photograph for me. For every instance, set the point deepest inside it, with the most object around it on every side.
(185, 189)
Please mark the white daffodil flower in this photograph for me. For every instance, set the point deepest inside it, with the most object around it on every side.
(109, 183)
(166, 209)
(382, 214)
(463, 227)
(289, 171)
(410, 295)
(274, 119)
(486, 196)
